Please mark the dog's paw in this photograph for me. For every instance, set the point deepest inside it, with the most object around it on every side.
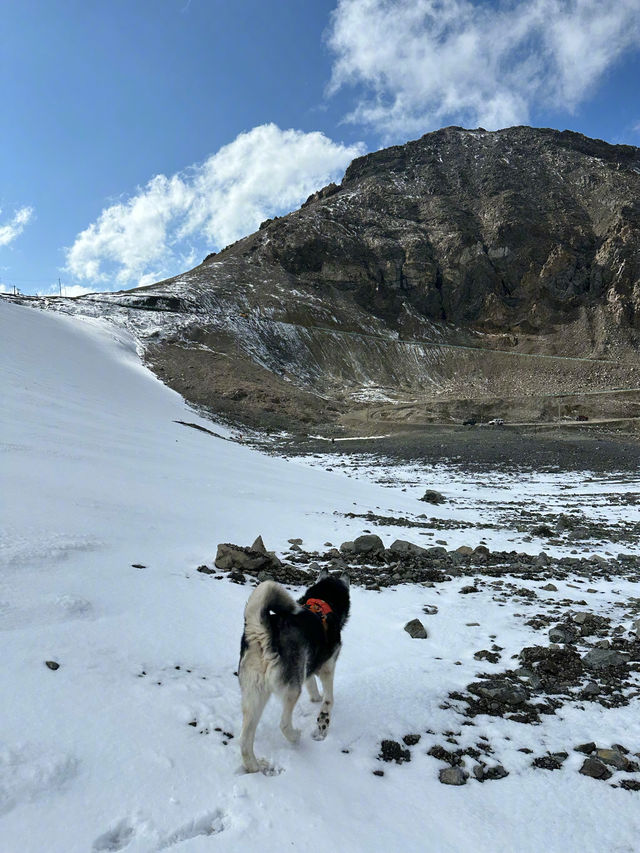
(323, 726)
(268, 769)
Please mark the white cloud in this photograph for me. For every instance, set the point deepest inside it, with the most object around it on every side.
(425, 63)
(152, 234)
(15, 226)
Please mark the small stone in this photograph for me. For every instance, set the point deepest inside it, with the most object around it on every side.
(594, 768)
(586, 748)
(453, 776)
(378, 772)
(550, 587)
(465, 590)
(416, 630)
(433, 497)
(138, 566)
(297, 542)
(630, 784)
(464, 550)
(497, 772)
(411, 740)
(484, 654)
(391, 750)
(52, 664)
(562, 634)
(347, 548)
(430, 609)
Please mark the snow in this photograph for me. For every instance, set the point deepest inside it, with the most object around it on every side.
(97, 475)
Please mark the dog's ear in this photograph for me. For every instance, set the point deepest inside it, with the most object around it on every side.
(344, 577)
(324, 573)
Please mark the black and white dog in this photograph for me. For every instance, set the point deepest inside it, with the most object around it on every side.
(285, 644)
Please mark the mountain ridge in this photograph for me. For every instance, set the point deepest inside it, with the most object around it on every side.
(418, 282)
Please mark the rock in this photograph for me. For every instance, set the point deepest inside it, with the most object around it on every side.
(495, 772)
(550, 587)
(391, 750)
(368, 543)
(484, 654)
(563, 634)
(594, 768)
(586, 748)
(433, 497)
(402, 547)
(453, 776)
(604, 658)
(550, 761)
(636, 627)
(630, 784)
(411, 740)
(416, 629)
(481, 551)
(465, 590)
(500, 691)
(299, 542)
(52, 664)
(347, 548)
(236, 558)
(464, 550)
(613, 757)
(258, 546)
(542, 559)
(430, 609)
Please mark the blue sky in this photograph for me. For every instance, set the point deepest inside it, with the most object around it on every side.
(139, 136)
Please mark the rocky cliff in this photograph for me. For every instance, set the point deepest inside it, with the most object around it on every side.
(465, 272)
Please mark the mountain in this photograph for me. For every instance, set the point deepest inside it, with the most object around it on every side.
(465, 273)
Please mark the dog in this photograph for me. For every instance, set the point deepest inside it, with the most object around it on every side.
(285, 644)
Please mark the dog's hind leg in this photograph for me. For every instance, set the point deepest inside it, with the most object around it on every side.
(253, 702)
(289, 699)
(312, 687)
(325, 673)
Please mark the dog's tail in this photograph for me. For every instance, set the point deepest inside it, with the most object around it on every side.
(267, 597)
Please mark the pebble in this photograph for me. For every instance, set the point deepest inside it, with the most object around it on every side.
(453, 776)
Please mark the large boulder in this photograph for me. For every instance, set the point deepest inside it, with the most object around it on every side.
(368, 543)
(231, 558)
(403, 548)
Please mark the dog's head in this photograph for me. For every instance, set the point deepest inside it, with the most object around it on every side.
(334, 589)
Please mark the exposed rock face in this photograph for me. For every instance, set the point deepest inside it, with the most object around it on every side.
(440, 271)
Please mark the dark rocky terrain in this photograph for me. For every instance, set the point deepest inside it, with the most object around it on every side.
(466, 273)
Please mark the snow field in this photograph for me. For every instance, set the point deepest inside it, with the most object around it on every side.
(97, 756)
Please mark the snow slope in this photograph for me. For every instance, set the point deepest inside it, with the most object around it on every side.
(99, 754)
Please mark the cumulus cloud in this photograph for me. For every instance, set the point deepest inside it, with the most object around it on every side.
(154, 232)
(420, 64)
(16, 225)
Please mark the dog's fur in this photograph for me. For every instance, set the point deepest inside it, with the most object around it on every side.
(285, 645)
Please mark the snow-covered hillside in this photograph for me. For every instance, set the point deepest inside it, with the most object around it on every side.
(109, 505)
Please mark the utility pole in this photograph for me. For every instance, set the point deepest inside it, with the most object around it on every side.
(59, 286)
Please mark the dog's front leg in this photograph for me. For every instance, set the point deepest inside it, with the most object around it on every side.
(325, 672)
(312, 687)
